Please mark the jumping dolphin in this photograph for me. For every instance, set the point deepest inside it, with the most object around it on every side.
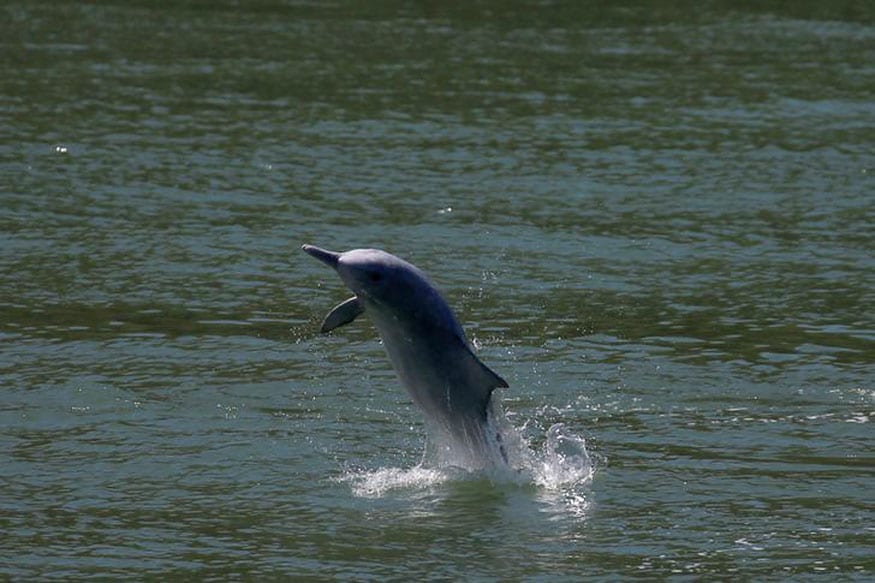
(426, 346)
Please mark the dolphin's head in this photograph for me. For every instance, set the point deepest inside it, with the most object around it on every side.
(376, 276)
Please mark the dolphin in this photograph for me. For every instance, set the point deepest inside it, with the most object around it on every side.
(426, 346)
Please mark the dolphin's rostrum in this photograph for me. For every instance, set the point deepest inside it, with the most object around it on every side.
(426, 346)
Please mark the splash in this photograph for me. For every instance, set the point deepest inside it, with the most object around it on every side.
(379, 483)
(563, 469)
(560, 469)
(563, 459)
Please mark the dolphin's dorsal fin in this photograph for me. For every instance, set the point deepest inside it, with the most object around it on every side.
(487, 377)
(343, 313)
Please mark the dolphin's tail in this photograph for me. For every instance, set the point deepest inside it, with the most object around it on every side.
(473, 443)
(494, 416)
(500, 443)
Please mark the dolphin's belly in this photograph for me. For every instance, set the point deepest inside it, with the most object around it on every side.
(432, 369)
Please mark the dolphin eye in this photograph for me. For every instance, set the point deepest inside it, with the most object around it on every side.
(375, 276)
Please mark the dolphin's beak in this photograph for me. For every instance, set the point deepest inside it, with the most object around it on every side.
(329, 258)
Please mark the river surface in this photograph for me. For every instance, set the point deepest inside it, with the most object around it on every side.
(654, 220)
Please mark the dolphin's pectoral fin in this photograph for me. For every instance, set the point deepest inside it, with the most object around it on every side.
(343, 313)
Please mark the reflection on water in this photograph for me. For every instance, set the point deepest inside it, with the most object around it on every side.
(654, 222)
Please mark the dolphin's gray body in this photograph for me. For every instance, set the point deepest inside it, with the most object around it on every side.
(425, 343)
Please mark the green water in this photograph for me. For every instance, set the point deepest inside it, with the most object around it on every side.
(653, 219)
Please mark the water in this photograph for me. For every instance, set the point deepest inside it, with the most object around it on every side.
(653, 221)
